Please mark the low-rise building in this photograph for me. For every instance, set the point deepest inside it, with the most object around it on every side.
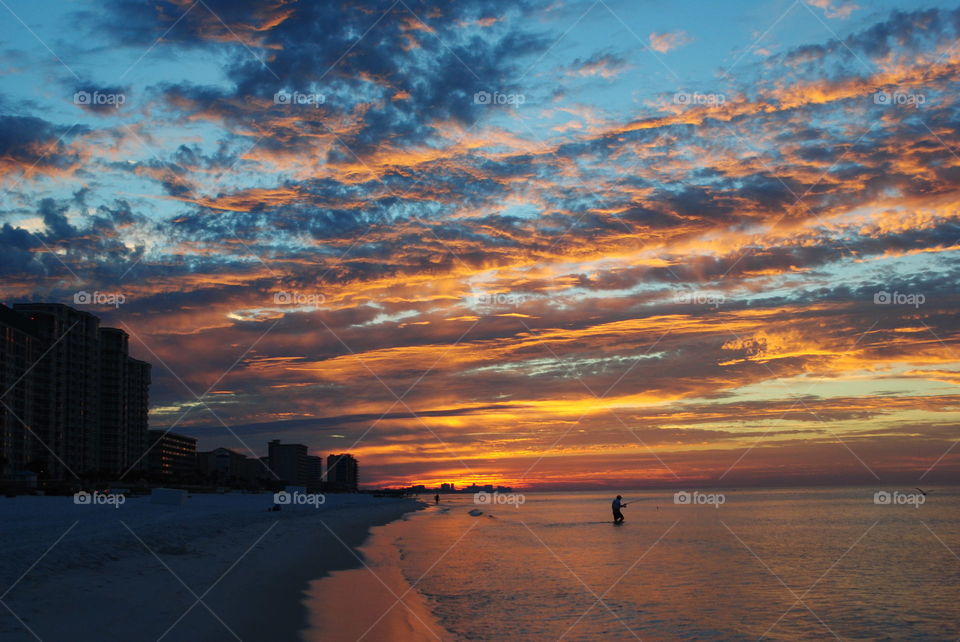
(171, 455)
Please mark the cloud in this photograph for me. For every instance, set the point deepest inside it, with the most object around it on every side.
(602, 65)
(708, 265)
(667, 40)
(31, 146)
(835, 9)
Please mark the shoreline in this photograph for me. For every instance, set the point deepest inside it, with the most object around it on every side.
(308, 557)
(138, 572)
(391, 608)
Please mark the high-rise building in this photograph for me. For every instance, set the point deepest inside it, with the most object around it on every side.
(138, 411)
(67, 388)
(342, 472)
(19, 351)
(73, 401)
(115, 457)
(289, 462)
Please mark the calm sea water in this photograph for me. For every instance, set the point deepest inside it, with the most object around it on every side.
(781, 564)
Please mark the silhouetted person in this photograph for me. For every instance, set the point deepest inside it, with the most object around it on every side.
(436, 499)
(617, 505)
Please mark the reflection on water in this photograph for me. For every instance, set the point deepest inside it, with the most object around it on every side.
(783, 564)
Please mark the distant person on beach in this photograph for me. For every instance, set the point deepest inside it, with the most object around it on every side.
(617, 505)
(436, 499)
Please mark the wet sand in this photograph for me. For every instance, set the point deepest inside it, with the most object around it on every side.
(374, 603)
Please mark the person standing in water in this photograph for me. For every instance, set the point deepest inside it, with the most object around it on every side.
(436, 499)
(617, 505)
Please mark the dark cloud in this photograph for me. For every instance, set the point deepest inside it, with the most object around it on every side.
(29, 144)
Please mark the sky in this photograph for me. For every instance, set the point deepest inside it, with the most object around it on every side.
(546, 244)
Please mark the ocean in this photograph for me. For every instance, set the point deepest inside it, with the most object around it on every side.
(723, 564)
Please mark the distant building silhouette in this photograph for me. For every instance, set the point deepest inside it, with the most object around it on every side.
(226, 466)
(221, 465)
(289, 462)
(314, 470)
(262, 466)
(80, 403)
(171, 455)
(342, 472)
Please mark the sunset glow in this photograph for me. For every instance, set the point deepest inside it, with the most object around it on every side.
(554, 245)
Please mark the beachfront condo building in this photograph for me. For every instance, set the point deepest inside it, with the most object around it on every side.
(124, 400)
(171, 456)
(342, 472)
(289, 462)
(314, 470)
(19, 350)
(66, 392)
(78, 403)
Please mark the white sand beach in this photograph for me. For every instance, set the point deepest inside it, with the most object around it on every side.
(222, 567)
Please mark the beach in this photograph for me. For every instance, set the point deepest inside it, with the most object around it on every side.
(375, 602)
(726, 564)
(220, 567)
